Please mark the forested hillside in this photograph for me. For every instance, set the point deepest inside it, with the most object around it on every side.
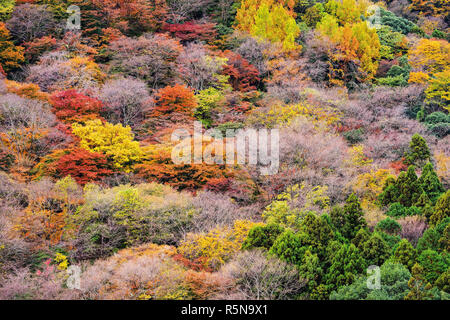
(93, 204)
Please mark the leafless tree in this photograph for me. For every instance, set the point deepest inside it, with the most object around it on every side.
(123, 99)
(259, 277)
(30, 21)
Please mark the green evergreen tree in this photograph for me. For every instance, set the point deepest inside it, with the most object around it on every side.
(443, 282)
(289, 247)
(262, 236)
(346, 264)
(391, 240)
(441, 209)
(394, 285)
(405, 254)
(409, 187)
(429, 240)
(427, 212)
(311, 271)
(320, 293)
(430, 183)
(349, 219)
(390, 192)
(444, 240)
(423, 201)
(390, 226)
(333, 247)
(375, 250)
(316, 232)
(418, 152)
(434, 264)
(361, 236)
(420, 289)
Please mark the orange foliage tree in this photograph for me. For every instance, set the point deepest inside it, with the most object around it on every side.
(133, 17)
(174, 102)
(83, 166)
(26, 90)
(71, 106)
(10, 56)
(242, 75)
(159, 167)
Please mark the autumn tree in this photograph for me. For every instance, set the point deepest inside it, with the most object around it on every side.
(151, 58)
(159, 167)
(173, 102)
(430, 7)
(276, 24)
(200, 68)
(192, 31)
(37, 47)
(83, 166)
(115, 141)
(218, 245)
(438, 91)
(6, 9)
(72, 106)
(134, 17)
(30, 21)
(58, 71)
(242, 75)
(356, 42)
(246, 13)
(26, 90)
(430, 56)
(124, 100)
(10, 56)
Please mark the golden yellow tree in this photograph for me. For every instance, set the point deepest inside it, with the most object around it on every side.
(115, 141)
(276, 25)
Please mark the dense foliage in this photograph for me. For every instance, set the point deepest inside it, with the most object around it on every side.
(358, 90)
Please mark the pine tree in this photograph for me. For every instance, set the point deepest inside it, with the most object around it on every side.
(442, 209)
(433, 263)
(423, 200)
(311, 271)
(262, 236)
(419, 288)
(443, 282)
(418, 152)
(409, 187)
(390, 192)
(316, 232)
(346, 264)
(375, 250)
(354, 217)
(405, 254)
(444, 241)
(361, 237)
(288, 247)
(429, 240)
(430, 183)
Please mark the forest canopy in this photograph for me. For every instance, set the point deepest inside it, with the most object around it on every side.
(96, 94)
